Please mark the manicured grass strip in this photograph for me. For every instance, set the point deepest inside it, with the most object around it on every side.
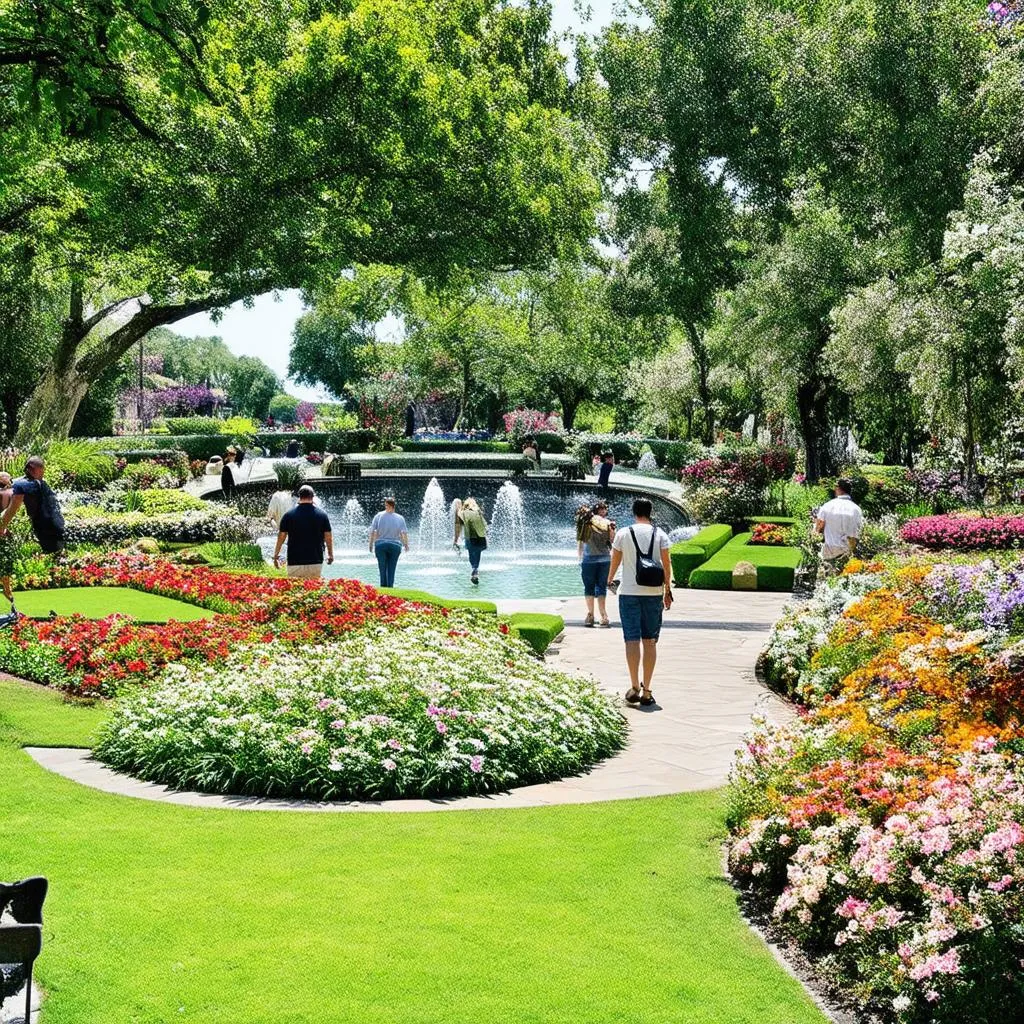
(99, 602)
(594, 914)
(36, 716)
(687, 555)
(423, 597)
(775, 565)
(538, 629)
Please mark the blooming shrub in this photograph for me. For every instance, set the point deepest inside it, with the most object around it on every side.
(965, 532)
(884, 828)
(430, 709)
(522, 423)
(768, 533)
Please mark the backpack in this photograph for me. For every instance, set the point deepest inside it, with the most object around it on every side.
(649, 573)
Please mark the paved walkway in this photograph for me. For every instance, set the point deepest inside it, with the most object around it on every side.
(704, 685)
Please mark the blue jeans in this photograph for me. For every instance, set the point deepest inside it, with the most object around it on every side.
(594, 571)
(474, 556)
(641, 617)
(387, 552)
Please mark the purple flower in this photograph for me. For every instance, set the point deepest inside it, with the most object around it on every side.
(476, 763)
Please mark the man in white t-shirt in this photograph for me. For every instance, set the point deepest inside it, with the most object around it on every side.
(641, 606)
(840, 522)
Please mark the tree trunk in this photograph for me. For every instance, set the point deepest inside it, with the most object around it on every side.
(970, 463)
(570, 406)
(75, 365)
(811, 399)
(467, 381)
(702, 361)
(11, 401)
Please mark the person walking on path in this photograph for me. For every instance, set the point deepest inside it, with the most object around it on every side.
(308, 531)
(605, 472)
(41, 505)
(468, 517)
(388, 537)
(645, 592)
(840, 522)
(8, 545)
(594, 535)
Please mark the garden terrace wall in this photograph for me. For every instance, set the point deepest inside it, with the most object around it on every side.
(776, 566)
(687, 555)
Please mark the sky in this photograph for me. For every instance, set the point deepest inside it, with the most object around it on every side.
(265, 329)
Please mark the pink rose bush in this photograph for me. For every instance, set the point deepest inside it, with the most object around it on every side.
(965, 532)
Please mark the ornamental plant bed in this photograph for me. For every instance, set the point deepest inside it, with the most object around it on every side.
(965, 532)
(432, 709)
(775, 566)
(884, 830)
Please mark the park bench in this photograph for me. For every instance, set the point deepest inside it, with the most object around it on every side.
(21, 937)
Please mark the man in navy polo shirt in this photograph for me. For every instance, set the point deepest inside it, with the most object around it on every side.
(307, 530)
(41, 505)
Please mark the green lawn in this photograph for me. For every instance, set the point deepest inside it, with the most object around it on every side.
(98, 602)
(576, 915)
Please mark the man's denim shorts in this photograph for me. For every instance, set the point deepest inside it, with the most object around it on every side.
(641, 617)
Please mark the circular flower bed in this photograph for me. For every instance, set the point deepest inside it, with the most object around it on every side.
(421, 710)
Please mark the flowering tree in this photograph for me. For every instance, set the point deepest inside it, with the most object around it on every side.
(382, 404)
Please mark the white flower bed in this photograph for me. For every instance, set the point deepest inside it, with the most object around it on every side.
(389, 712)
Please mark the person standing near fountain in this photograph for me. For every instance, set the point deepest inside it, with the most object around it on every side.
(645, 592)
(388, 537)
(468, 517)
(595, 533)
(307, 530)
(605, 472)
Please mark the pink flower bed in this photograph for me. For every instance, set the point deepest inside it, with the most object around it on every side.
(965, 532)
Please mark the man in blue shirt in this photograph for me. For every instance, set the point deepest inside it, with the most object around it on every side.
(41, 505)
(307, 530)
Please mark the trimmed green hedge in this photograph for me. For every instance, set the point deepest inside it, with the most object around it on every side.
(538, 629)
(422, 597)
(775, 565)
(451, 460)
(494, 447)
(550, 444)
(205, 446)
(688, 555)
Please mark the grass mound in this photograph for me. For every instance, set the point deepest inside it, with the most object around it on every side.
(99, 602)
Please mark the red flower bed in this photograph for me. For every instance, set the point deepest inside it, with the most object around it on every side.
(99, 656)
(965, 532)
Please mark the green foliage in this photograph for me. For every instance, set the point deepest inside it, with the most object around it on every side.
(493, 447)
(194, 425)
(290, 474)
(732, 504)
(78, 463)
(160, 501)
(282, 407)
(687, 555)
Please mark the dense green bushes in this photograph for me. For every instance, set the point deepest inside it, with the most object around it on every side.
(776, 566)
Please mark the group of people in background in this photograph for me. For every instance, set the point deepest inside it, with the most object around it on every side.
(307, 531)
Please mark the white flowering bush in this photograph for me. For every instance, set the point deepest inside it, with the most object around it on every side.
(424, 710)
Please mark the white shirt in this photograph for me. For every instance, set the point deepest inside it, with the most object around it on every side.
(843, 519)
(281, 502)
(624, 542)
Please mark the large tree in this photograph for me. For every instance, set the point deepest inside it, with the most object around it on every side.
(290, 141)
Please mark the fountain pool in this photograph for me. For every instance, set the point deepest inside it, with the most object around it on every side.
(531, 541)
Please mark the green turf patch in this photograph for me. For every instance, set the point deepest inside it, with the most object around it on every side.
(162, 913)
(775, 565)
(36, 716)
(538, 629)
(422, 597)
(99, 602)
(687, 555)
